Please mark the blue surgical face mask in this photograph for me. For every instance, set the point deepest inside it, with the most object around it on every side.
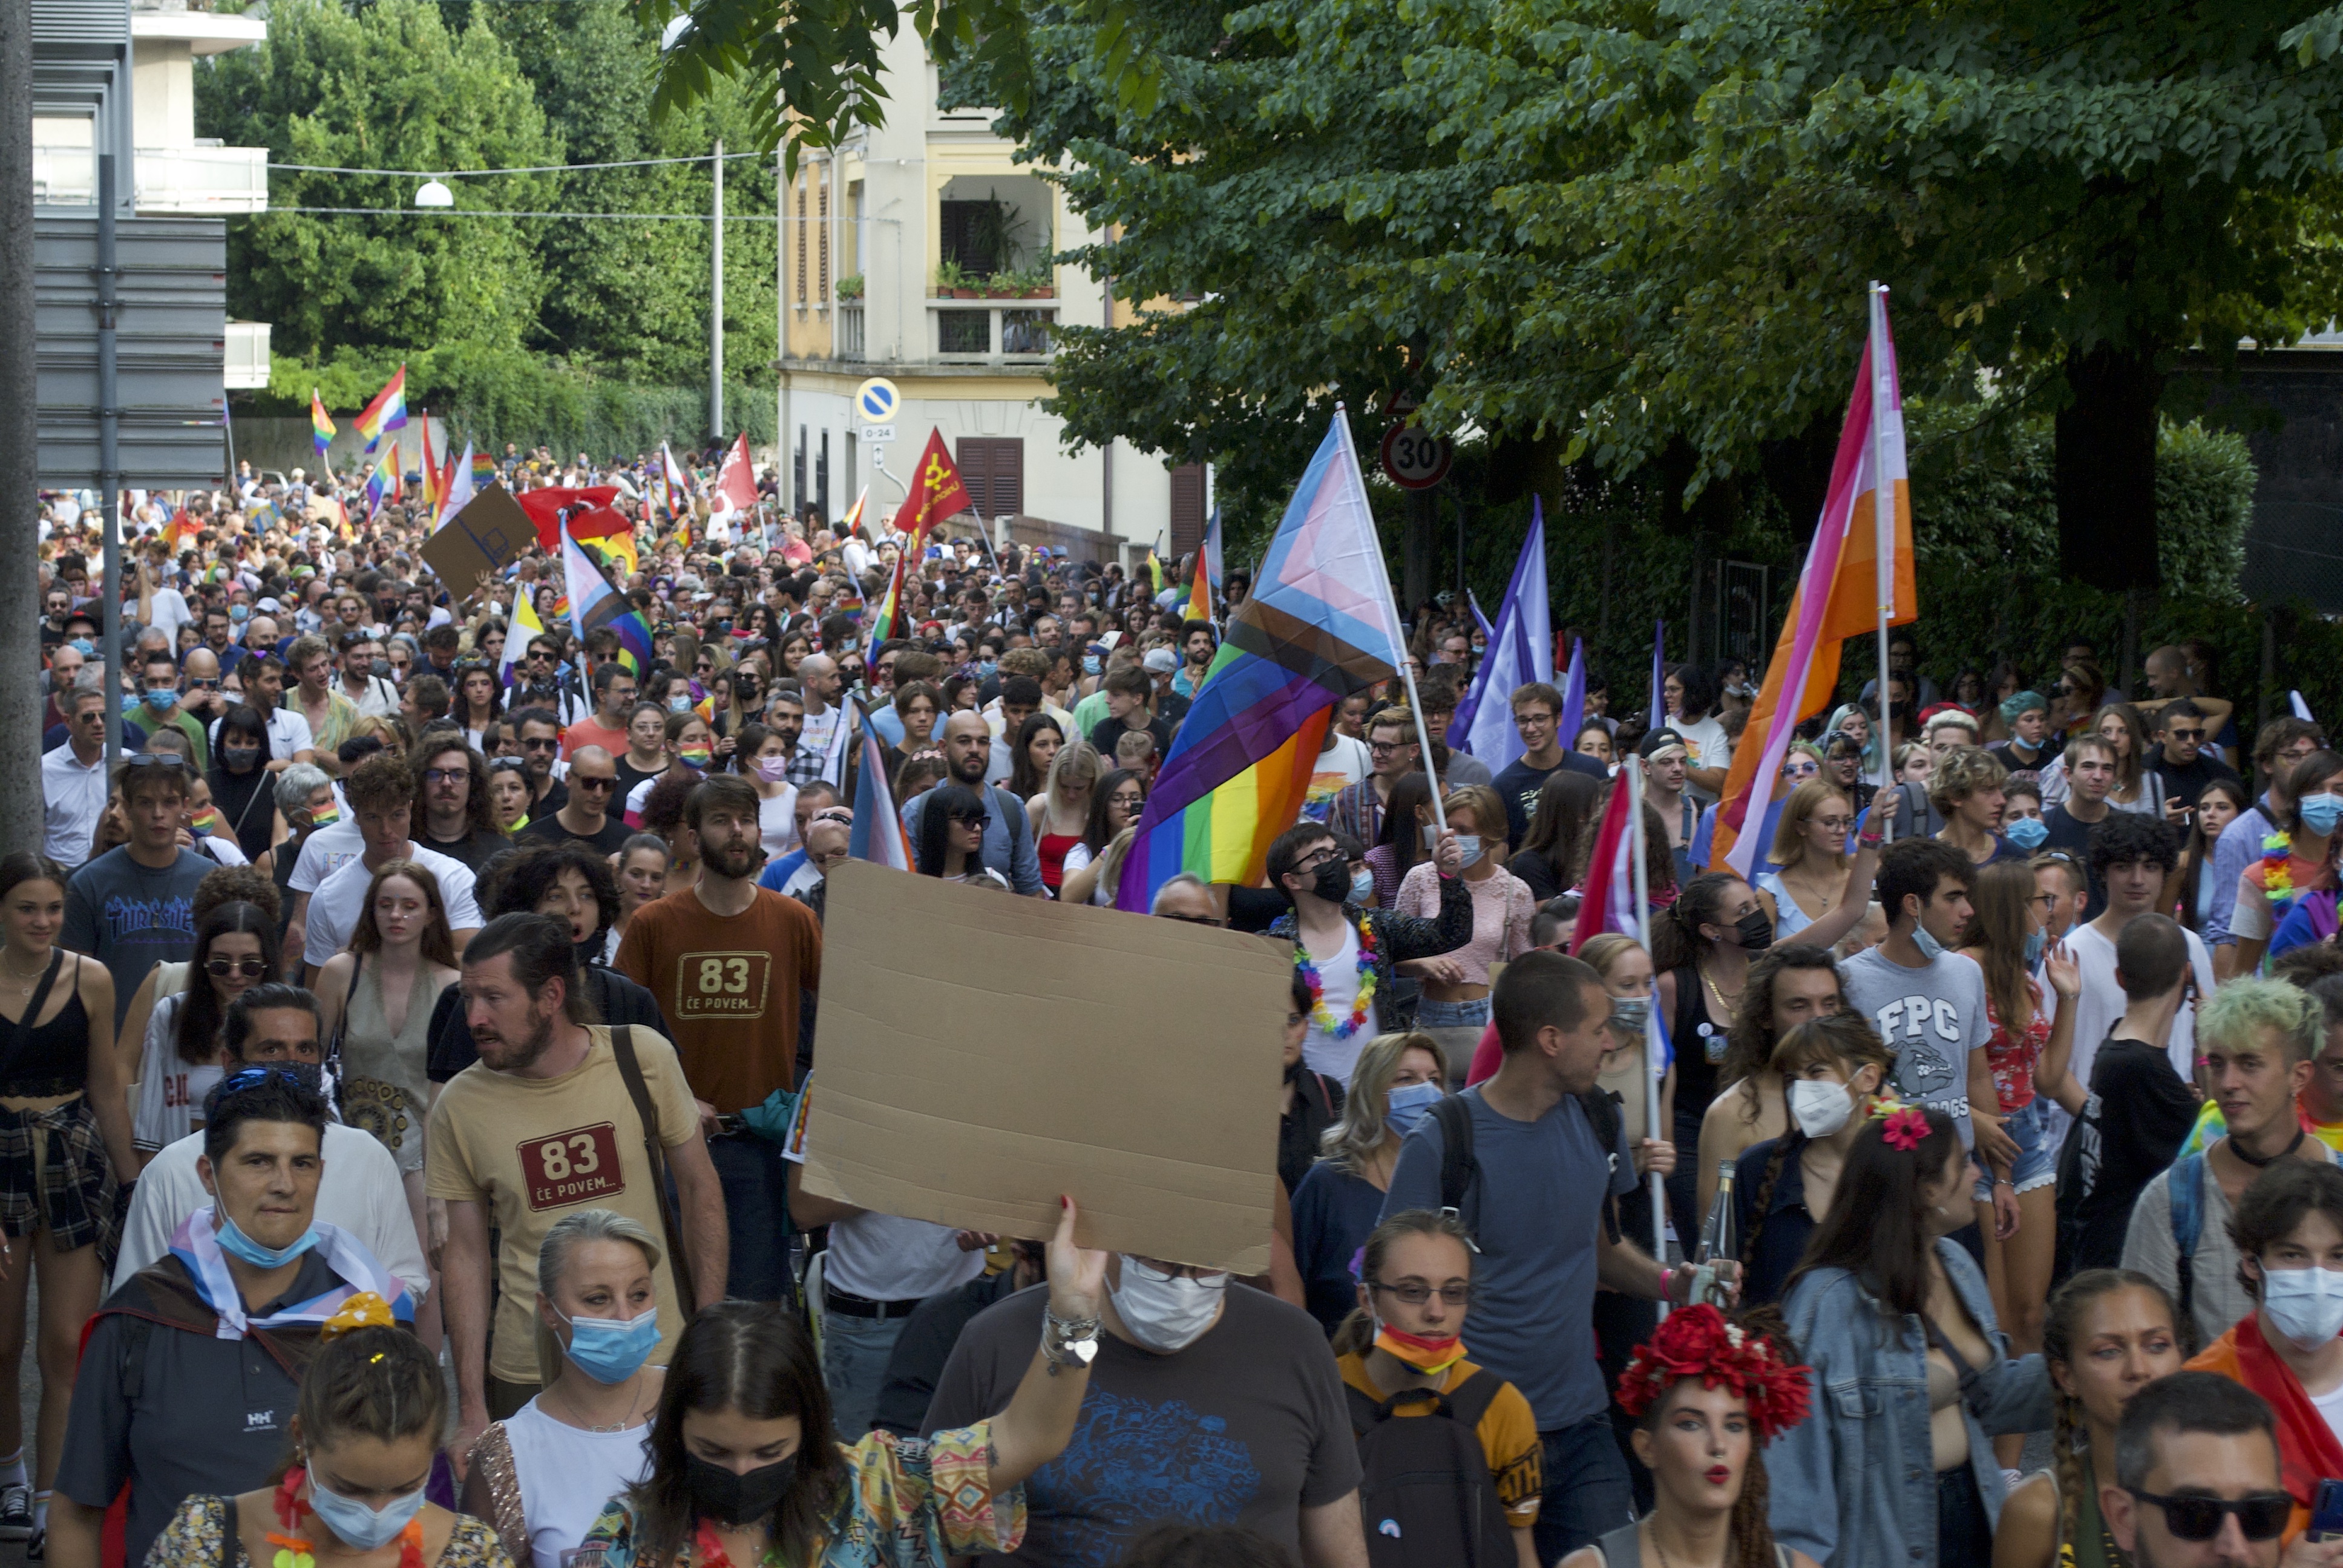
(1930, 947)
(680, 703)
(2035, 942)
(612, 1350)
(83, 647)
(162, 698)
(1363, 888)
(1631, 1015)
(986, 668)
(2320, 812)
(1090, 660)
(359, 1525)
(2025, 832)
(1468, 848)
(236, 1244)
(1411, 1103)
(239, 613)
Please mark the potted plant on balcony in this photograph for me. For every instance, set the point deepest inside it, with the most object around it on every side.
(849, 288)
(1039, 281)
(1004, 285)
(954, 282)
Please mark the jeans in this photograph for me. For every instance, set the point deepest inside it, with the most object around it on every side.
(1455, 1026)
(755, 1180)
(854, 1355)
(1587, 1495)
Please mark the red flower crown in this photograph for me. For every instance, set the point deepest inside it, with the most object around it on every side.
(1698, 1342)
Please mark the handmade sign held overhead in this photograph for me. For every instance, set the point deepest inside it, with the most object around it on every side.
(489, 531)
(964, 1078)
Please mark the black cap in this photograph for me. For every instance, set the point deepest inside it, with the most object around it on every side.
(1659, 740)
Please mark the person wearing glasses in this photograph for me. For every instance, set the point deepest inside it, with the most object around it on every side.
(2200, 1479)
(381, 795)
(179, 1055)
(458, 820)
(587, 817)
(74, 780)
(1405, 1337)
(950, 844)
(2284, 1349)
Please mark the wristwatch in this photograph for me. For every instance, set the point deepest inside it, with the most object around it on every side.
(1067, 1341)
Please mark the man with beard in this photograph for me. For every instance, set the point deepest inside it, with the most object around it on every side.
(731, 964)
(543, 1124)
(1008, 829)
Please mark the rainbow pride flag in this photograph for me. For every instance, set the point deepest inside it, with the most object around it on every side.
(1204, 581)
(321, 427)
(383, 481)
(593, 602)
(386, 412)
(1319, 625)
(484, 467)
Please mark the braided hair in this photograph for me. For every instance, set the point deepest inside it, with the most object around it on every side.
(2061, 1325)
(1845, 1038)
(1676, 938)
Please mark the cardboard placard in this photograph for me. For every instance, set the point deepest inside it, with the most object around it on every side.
(488, 532)
(979, 1054)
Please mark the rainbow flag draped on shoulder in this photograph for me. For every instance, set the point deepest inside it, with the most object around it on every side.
(1858, 564)
(1319, 625)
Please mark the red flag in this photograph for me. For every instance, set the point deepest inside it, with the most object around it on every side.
(735, 482)
(545, 509)
(938, 494)
(1608, 890)
(599, 522)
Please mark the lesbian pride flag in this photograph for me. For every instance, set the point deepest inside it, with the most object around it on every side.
(1859, 565)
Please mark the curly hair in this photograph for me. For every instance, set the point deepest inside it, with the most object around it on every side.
(1961, 773)
(515, 884)
(1749, 1039)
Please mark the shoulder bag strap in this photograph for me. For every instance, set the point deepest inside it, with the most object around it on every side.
(622, 1048)
(229, 1528)
(39, 999)
(2183, 1189)
(341, 1033)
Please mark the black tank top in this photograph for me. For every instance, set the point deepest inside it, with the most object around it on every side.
(1699, 1044)
(37, 1063)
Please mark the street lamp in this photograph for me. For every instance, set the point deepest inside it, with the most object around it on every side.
(432, 192)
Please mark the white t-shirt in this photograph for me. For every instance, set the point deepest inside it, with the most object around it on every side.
(1707, 747)
(1103, 894)
(1339, 979)
(326, 851)
(169, 1089)
(171, 613)
(777, 822)
(2330, 1405)
(567, 1475)
(335, 907)
(884, 1257)
(289, 732)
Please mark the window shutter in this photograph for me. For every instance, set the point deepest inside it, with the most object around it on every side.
(1187, 508)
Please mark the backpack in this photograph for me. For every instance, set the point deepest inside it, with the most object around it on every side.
(1460, 1170)
(1425, 1494)
(2186, 1188)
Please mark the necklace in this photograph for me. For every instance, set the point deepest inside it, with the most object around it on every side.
(709, 1552)
(1726, 1003)
(24, 982)
(1320, 1015)
(295, 1550)
(2259, 1160)
(622, 1425)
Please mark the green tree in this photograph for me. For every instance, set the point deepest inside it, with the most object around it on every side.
(388, 87)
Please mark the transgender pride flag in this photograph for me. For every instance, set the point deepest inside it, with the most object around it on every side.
(1319, 625)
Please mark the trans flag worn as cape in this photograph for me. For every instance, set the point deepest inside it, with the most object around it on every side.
(195, 1244)
(1318, 626)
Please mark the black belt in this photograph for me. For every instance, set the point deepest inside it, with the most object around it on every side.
(847, 1304)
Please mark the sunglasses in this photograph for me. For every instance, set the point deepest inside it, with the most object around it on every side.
(581, 781)
(2260, 1517)
(250, 968)
(156, 760)
(446, 775)
(540, 743)
(253, 1077)
(971, 818)
(507, 765)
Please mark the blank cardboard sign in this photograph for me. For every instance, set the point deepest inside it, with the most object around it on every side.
(980, 1054)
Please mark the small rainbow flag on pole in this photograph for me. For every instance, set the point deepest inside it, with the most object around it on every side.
(878, 833)
(386, 412)
(383, 481)
(321, 428)
(1204, 587)
(1319, 625)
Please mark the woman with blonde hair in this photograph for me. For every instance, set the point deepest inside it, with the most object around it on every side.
(374, 1011)
(1063, 810)
(542, 1475)
(1394, 1085)
(1815, 893)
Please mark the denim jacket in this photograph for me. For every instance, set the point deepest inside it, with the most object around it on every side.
(1853, 1486)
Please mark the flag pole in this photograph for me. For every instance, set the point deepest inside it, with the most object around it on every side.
(1424, 740)
(1883, 515)
(1632, 775)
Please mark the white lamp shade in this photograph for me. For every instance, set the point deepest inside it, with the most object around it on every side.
(432, 192)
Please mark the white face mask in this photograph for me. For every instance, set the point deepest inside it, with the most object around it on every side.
(2306, 1305)
(1166, 1315)
(1820, 1107)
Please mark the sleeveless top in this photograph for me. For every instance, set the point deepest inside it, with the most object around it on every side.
(385, 1087)
(2092, 1545)
(52, 1058)
(1053, 848)
(1789, 919)
(1699, 1044)
(1624, 1548)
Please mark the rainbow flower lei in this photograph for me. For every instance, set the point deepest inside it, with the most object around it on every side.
(1320, 1015)
(2277, 882)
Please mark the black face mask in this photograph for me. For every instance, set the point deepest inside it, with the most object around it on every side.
(731, 1498)
(1754, 931)
(1332, 880)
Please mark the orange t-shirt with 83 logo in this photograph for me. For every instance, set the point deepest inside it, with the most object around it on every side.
(729, 987)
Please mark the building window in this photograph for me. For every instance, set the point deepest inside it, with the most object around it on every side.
(963, 332)
(1026, 331)
(801, 243)
(993, 469)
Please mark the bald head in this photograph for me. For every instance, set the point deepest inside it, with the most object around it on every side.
(967, 747)
(201, 663)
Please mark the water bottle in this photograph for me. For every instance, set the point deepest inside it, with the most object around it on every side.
(1720, 1242)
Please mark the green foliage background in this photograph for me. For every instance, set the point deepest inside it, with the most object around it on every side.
(576, 331)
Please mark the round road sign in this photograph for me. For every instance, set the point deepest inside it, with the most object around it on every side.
(877, 400)
(1416, 459)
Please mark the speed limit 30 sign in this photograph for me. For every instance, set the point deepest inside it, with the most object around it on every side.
(1416, 459)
